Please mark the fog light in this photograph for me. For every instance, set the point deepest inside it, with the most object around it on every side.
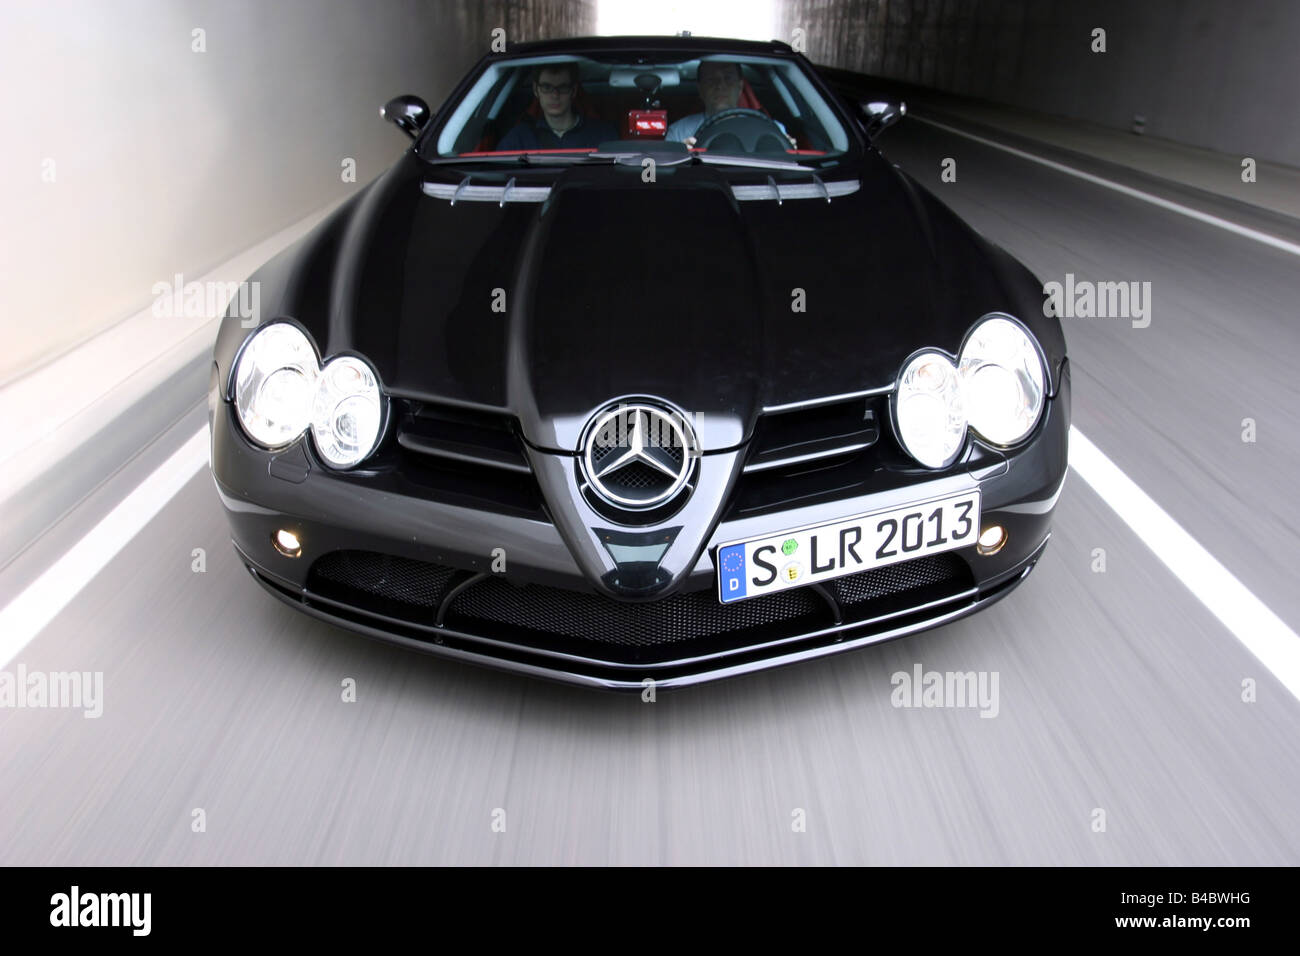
(287, 543)
(992, 539)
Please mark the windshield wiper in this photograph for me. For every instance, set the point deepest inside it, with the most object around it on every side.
(622, 158)
(526, 159)
(675, 158)
(635, 157)
(466, 160)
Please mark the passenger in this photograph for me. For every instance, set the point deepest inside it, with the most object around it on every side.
(720, 83)
(558, 124)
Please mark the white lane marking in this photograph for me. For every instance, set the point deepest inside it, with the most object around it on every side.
(26, 615)
(1263, 632)
(1268, 240)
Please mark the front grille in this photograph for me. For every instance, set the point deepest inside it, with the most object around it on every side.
(830, 452)
(558, 621)
(466, 457)
(591, 617)
(804, 455)
(897, 578)
(489, 439)
(362, 576)
(825, 431)
(637, 477)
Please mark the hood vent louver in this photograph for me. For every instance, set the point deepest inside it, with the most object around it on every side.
(783, 191)
(466, 191)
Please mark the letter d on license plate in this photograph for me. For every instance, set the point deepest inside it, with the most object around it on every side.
(807, 555)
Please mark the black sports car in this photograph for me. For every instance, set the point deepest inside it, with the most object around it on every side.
(641, 364)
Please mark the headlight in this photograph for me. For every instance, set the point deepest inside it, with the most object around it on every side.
(1002, 378)
(281, 391)
(347, 414)
(275, 384)
(929, 409)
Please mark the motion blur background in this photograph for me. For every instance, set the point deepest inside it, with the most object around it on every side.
(150, 138)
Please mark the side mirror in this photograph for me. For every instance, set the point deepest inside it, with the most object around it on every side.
(408, 113)
(880, 115)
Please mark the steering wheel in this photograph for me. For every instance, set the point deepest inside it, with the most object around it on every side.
(748, 127)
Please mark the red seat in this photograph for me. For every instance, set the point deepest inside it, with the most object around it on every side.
(748, 99)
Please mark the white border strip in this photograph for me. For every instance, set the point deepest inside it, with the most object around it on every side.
(1263, 632)
(1268, 240)
(26, 615)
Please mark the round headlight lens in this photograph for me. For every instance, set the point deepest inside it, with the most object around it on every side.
(275, 382)
(347, 414)
(930, 409)
(1002, 376)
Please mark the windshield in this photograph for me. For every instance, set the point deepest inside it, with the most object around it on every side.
(573, 108)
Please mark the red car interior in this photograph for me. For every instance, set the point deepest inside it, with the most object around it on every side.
(635, 120)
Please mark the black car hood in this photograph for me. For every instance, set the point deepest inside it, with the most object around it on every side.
(616, 287)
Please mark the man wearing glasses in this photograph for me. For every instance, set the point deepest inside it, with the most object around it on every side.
(558, 124)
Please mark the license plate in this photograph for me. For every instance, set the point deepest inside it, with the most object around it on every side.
(816, 553)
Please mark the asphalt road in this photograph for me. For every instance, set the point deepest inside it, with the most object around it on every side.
(1119, 691)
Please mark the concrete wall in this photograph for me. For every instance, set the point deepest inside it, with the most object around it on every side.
(1212, 73)
(168, 160)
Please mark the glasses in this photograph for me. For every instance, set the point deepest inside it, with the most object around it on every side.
(564, 89)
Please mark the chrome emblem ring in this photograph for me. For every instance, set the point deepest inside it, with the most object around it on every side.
(637, 455)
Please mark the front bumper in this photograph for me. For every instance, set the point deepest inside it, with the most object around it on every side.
(428, 575)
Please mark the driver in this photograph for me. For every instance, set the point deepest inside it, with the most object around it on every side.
(720, 84)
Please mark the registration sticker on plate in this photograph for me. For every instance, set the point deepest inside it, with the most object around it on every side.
(815, 553)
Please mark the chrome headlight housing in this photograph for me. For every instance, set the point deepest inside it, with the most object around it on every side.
(280, 391)
(929, 409)
(1002, 376)
(275, 384)
(347, 415)
(997, 387)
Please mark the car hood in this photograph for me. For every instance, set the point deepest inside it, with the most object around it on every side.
(618, 287)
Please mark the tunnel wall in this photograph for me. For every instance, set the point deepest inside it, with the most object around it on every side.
(1204, 72)
(167, 160)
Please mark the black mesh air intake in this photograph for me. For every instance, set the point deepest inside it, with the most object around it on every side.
(356, 575)
(898, 578)
(584, 623)
(683, 617)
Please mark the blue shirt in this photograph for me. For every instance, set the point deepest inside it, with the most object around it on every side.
(539, 135)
